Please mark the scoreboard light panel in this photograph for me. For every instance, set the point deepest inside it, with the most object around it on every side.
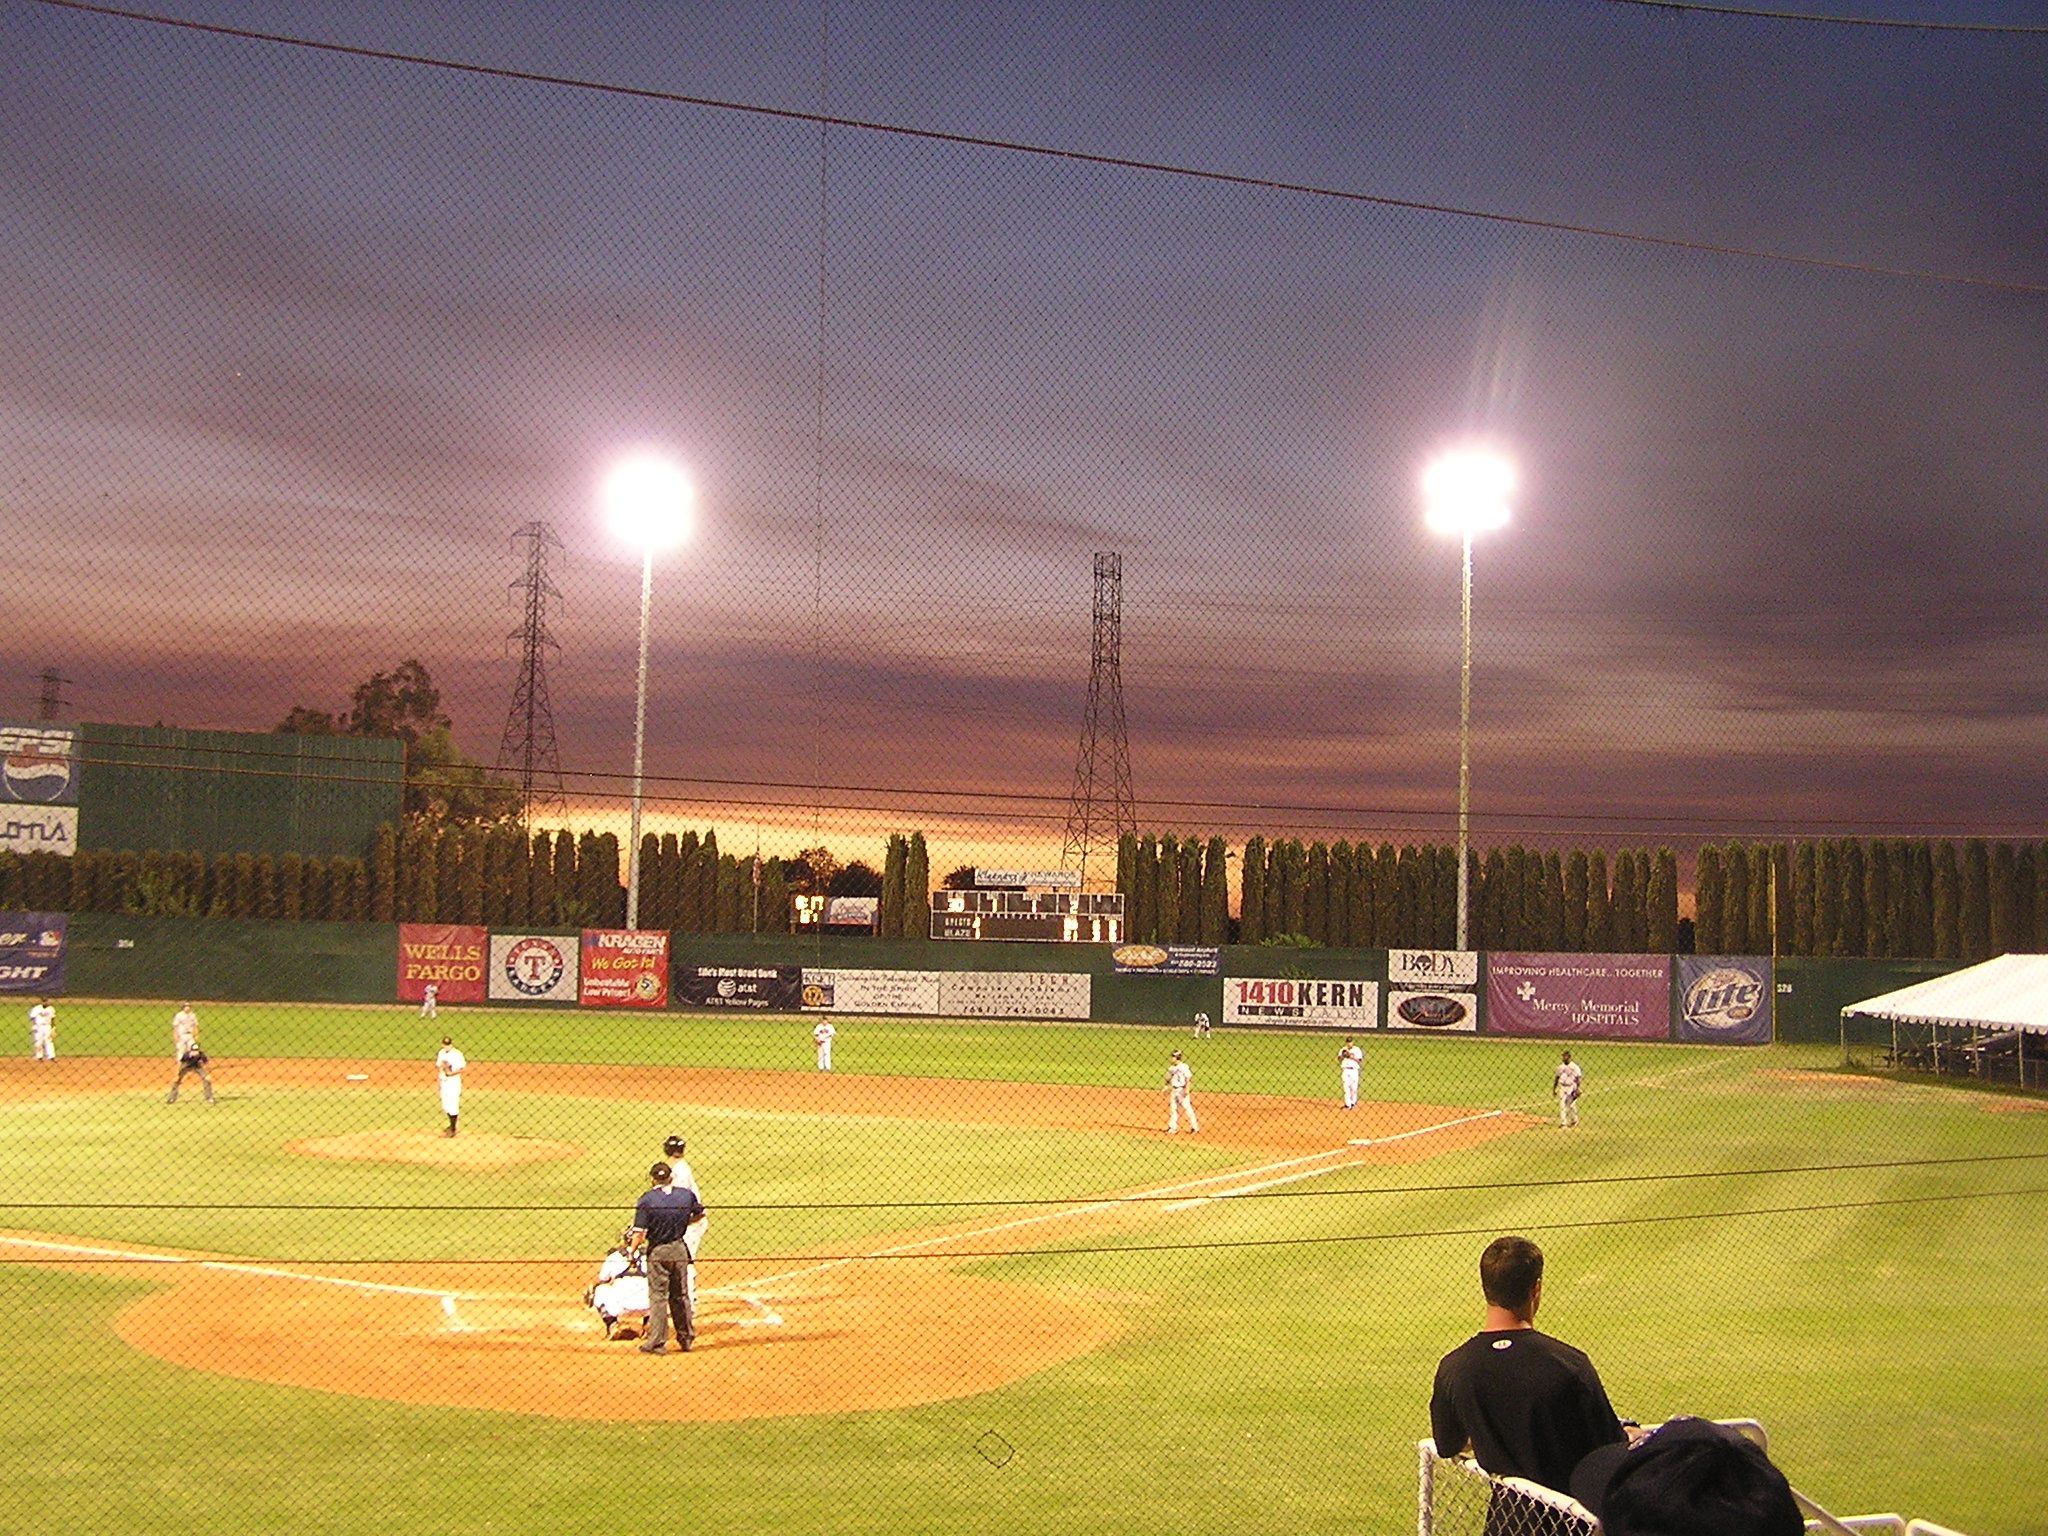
(1043, 917)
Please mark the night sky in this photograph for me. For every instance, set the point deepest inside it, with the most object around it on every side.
(294, 341)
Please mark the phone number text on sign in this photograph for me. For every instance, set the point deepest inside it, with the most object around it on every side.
(1287, 1000)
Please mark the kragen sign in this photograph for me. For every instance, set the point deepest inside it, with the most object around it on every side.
(624, 968)
(450, 956)
(32, 951)
(1316, 1004)
(533, 968)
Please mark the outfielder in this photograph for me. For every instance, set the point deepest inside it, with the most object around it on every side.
(449, 1064)
(1567, 1081)
(42, 1030)
(1201, 1026)
(1180, 1078)
(823, 1036)
(185, 1050)
(430, 1001)
(1348, 1061)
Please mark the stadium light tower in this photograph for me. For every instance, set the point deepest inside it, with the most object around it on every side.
(647, 501)
(1466, 492)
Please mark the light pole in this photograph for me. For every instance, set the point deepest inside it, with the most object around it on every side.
(1467, 492)
(647, 501)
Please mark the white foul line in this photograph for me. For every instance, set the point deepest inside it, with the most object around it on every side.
(1315, 1173)
(233, 1269)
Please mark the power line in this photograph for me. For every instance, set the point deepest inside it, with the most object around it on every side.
(1484, 1186)
(1893, 23)
(1050, 152)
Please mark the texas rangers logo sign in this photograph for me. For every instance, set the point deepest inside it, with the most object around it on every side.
(39, 764)
(535, 967)
(532, 968)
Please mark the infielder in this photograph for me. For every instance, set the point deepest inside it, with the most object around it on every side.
(42, 1030)
(449, 1064)
(823, 1036)
(693, 1234)
(1348, 1062)
(430, 1001)
(1568, 1075)
(1201, 1026)
(1180, 1078)
(185, 1051)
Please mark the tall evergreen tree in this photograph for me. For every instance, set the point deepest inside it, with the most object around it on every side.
(1976, 903)
(1293, 886)
(1513, 906)
(1315, 893)
(1408, 898)
(1736, 939)
(1190, 925)
(1876, 898)
(1216, 893)
(1552, 937)
(1490, 901)
(2002, 902)
(1251, 920)
(316, 904)
(1898, 909)
(917, 888)
(1802, 900)
(1599, 911)
(2023, 880)
(1627, 903)
(1126, 871)
(1827, 897)
(775, 898)
(1923, 897)
(1145, 921)
(1169, 888)
(1386, 898)
(1855, 916)
(568, 903)
(1337, 931)
(1363, 928)
(1663, 935)
(1764, 883)
(1948, 903)
(1575, 900)
(540, 882)
(895, 855)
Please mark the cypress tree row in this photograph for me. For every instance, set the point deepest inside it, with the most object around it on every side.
(917, 888)
(1252, 893)
(1215, 893)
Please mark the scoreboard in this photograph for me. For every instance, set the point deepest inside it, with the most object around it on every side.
(1042, 917)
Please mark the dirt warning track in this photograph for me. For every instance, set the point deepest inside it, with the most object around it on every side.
(887, 1322)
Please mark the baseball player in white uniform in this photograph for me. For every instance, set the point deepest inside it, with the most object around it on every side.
(1180, 1079)
(430, 1001)
(1201, 1026)
(449, 1064)
(42, 1030)
(693, 1234)
(1568, 1076)
(1348, 1062)
(822, 1035)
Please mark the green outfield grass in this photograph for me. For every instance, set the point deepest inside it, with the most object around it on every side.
(1274, 1371)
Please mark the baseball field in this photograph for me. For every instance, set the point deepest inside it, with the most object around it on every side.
(964, 1283)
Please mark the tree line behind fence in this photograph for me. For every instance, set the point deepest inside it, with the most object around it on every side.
(1879, 898)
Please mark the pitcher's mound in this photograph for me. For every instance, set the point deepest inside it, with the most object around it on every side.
(465, 1151)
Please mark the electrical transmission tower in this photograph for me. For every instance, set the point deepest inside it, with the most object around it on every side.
(51, 705)
(1100, 810)
(528, 750)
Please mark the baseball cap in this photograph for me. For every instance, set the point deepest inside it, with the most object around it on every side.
(673, 1147)
(1688, 1477)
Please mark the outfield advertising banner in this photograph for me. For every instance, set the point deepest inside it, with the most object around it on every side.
(624, 968)
(1435, 1012)
(1014, 994)
(1432, 968)
(1598, 997)
(1349, 1005)
(533, 968)
(38, 764)
(1167, 960)
(39, 829)
(32, 951)
(1725, 999)
(746, 988)
(834, 991)
(449, 956)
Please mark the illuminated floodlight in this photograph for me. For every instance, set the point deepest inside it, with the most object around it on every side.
(1466, 492)
(647, 501)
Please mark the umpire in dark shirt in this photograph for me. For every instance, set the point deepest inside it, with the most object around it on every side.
(1527, 1404)
(658, 1223)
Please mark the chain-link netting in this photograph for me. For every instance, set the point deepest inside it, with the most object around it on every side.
(1056, 388)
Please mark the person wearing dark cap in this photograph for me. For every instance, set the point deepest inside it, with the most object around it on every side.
(659, 1221)
(1687, 1477)
(1526, 1404)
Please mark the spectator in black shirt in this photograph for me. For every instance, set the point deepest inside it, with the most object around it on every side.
(659, 1221)
(1528, 1405)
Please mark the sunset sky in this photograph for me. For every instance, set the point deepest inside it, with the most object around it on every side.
(295, 340)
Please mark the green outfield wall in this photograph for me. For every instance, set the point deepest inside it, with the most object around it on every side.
(149, 788)
(231, 959)
(1812, 993)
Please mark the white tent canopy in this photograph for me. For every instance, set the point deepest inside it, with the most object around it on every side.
(2009, 993)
